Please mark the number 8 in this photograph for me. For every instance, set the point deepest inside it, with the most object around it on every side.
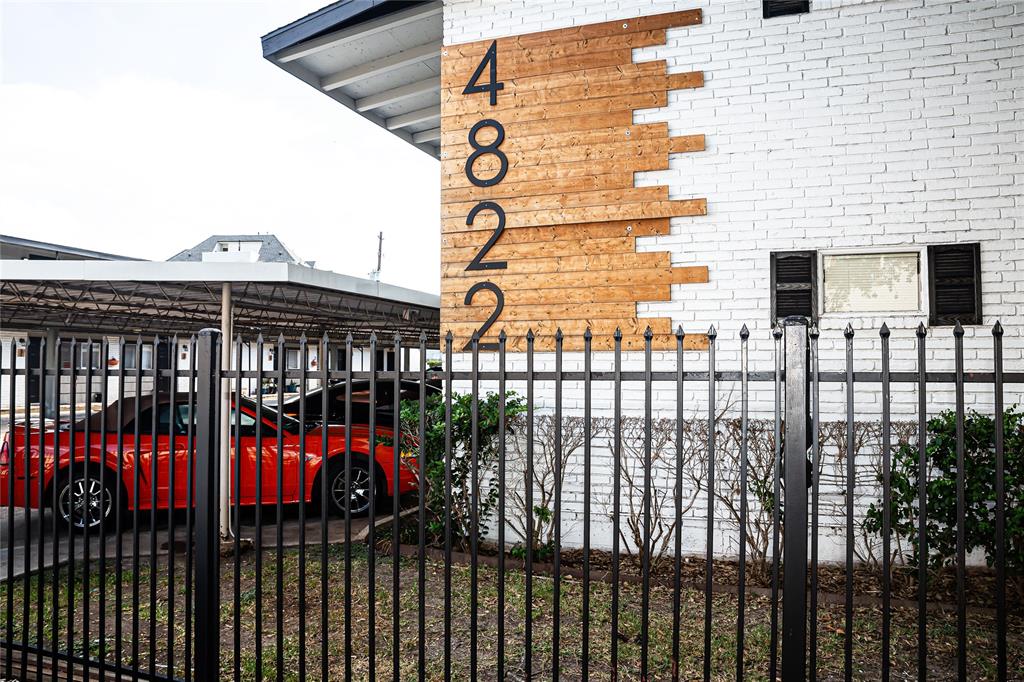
(480, 150)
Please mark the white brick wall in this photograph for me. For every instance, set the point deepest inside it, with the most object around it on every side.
(859, 125)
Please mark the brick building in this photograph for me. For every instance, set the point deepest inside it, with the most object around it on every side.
(861, 164)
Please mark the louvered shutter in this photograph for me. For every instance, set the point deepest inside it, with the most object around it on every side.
(954, 284)
(780, 8)
(794, 277)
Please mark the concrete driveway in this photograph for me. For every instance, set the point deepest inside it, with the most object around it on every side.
(13, 551)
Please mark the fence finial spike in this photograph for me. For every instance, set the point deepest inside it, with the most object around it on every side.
(814, 332)
(259, 337)
(502, 336)
(958, 329)
(744, 332)
(280, 339)
(373, 337)
(679, 331)
(325, 338)
(475, 336)
(848, 332)
(922, 331)
(529, 334)
(648, 333)
(777, 331)
(559, 335)
(618, 334)
(449, 336)
(712, 333)
(884, 331)
(397, 338)
(302, 339)
(997, 329)
(423, 336)
(348, 338)
(587, 334)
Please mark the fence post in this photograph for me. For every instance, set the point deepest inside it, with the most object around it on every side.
(207, 628)
(794, 595)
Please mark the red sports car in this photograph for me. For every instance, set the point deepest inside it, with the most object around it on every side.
(82, 501)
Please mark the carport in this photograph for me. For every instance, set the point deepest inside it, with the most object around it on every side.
(128, 298)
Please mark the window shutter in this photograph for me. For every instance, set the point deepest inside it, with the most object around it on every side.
(794, 282)
(954, 284)
(780, 8)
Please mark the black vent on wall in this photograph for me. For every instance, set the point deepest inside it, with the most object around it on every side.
(794, 277)
(780, 8)
(954, 284)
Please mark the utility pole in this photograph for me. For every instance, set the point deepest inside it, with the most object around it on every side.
(375, 274)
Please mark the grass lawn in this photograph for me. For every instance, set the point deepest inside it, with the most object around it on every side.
(867, 625)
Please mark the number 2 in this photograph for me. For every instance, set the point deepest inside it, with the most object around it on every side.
(499, 305)
(477, 262)
(493, 85)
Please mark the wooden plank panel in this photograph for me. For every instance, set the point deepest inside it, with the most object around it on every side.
(629, 325)
(506, 251)
(544, 112)
(614, 180)
(565, 200)
(559, 311)
(632, 339)
(488, 165)
(587, 90)
(553, 81)
(572, 210)
(609, 119)
(680, 275)
(572, 62)
(651, 22)
(458, 67)
(556, 233)
(516, 143)
(590, 214)
(574, 263)
(574, 169)
(450, 300)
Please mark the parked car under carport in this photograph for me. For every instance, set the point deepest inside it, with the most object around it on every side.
(384, 399)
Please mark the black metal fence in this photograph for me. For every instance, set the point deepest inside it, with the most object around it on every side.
(118, 563)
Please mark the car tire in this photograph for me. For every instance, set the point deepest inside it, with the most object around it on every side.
(72, 499)
(360, 497)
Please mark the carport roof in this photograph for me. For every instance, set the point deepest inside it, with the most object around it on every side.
(380, 59)
(148, 297)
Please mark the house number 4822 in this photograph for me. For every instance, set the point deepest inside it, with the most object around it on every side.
(491, 86)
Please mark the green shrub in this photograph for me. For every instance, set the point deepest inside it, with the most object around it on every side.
(980, 489)
(461, 461)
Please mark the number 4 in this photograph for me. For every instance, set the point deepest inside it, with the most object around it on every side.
(493, 85)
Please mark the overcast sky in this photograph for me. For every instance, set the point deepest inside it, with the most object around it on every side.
(142, 127)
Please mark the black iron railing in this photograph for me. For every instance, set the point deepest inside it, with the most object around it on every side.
(117, 562)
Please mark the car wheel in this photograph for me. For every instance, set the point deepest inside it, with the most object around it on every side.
(86, 504)
(359, 503)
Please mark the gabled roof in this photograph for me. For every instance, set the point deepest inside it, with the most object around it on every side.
(272, 249)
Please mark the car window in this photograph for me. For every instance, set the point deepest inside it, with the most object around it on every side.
(145, 421)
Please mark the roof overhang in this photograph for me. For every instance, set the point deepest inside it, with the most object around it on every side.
(129, 297)
(382, 59)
